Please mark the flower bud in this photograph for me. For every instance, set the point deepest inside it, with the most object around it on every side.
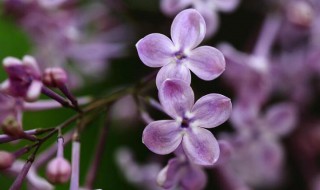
(54, 77)
(58, 170)
(6, 160)
(300, 13)
(12, 127)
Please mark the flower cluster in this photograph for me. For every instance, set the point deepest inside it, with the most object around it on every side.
(188, 129)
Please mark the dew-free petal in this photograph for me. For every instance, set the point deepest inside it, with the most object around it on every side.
(188, 29)
(155, 50)
(281, 118)
(168, 176)
(170, 7)
(173, 71)
(200, 146)
(206, 62)
(211, 110)
(176, 97)
(162, 137)
(194, 178)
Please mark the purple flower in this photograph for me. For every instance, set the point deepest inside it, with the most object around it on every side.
(179, 172)
(179, 56)
(208, 9)
(24, 78)
(190, 121)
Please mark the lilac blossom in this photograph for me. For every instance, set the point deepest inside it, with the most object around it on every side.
(143, 176)
(208, 9)
(257, 150)
(24, 78)
(179, 56)
(61, 36)
(190, 122)
(181, 173)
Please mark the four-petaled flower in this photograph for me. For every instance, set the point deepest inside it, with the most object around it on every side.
(179, 56)
(190, 119)
(24, 78)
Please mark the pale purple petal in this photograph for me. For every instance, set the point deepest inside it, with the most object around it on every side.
(34, 90)
(176, 97)
(211, 110)
(168, 176)
(194, 179)
(227, 5)
(155, 50)
(173, 71)
(188, 29)
(162, 137)
(206, 62)
(211, 18)
(171, 7)
(281, 118)
(200, 146)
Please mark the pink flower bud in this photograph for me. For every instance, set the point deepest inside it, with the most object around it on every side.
(12, 127)
(300, 13)
(6, 160)
(58, 170)
(54, 77)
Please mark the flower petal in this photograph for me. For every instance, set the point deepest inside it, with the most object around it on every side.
(211, 110)
(34, 91)
(206, 62)
(170, 7)
(176, 97)
(200, 146)
(173, 71)
(227, 5)
(210, 16)
(194, 178)
(155, 50)
(188, 29)
(168, 176)
(162, 137)
(281, 118)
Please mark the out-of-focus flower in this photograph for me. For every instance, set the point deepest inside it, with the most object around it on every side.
(6, 160)
(190, 121)
(24, 78)
(179, 56)
(258, 156)
(208, 9)
(34, 181)
(143, 176)
(69, 37)
(181, 173)
(247, 74)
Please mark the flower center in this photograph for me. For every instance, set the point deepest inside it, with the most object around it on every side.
(185, 123)
(180, 55)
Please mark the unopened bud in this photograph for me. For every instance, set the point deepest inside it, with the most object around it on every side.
(58, 170)
(54, 77)
(12, 127)
(300, 13)
(6, 160)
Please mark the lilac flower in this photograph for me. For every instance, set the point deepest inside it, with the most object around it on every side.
(24, 78)
(143, 176)
(208, 9)
(190, 121)
(181, 173)
(258, 155)
(179, 56)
